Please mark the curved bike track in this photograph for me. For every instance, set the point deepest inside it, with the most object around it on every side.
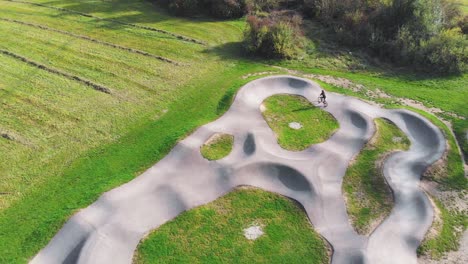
(109, 230)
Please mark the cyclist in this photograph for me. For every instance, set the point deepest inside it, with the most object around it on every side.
(322, 97)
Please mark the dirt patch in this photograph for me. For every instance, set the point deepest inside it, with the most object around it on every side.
(438, 170)
(432, 110)
(15, 137)
(259, 74)
(214, 138)
(337, 81)
(7, 136)
(253, 232)
(452, 200)
(295, 125)
(437, 221)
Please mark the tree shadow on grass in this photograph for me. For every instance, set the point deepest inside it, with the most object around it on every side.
(304, 109)
(235, 51)
(132, 12)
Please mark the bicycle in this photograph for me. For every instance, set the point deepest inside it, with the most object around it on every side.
(322, 100)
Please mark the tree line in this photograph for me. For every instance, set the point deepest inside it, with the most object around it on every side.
(427, 34)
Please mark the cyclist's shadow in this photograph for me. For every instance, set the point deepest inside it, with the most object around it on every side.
(315, 104)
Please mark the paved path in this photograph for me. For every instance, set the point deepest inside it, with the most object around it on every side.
(109, 230)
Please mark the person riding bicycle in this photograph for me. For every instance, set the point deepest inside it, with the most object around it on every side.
(322, 96)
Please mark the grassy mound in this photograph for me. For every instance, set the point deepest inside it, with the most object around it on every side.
(282, 109)
(368, 196)
(217, 147)
(214, 233)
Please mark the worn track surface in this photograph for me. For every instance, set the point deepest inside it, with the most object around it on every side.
(109, 230)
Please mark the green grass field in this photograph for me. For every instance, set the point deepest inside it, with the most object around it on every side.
(218, 147)
(63, 143)
(213, 233)
(368, 197)
(317, 125)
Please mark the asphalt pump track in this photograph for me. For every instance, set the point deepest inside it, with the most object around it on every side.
(109, 230)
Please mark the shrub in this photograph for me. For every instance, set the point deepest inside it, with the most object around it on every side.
(411, 32)
(254, 6)
(220, 8)
(183, 7)
(463, 24)
(215, 8)
(226, 8)
(277, 35)
(446, 52)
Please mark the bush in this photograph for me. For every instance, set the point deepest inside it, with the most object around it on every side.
(409, 32)
(216, 8)
(219, 8)
(255, 6)
(446, 52)
(226, 8)
(463, 24)
(183, 7)
(276, 36)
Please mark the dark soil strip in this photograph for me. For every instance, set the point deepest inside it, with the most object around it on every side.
(7, 136)
(96, 87)
(184, 38)
(92, 40)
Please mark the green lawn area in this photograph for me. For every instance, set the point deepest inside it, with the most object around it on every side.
(317, 125)
(368, 197)
(63, 143)
(213, 233)
(217, 147)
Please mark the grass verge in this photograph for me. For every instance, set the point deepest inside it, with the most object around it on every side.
(213, 233)
(282, 109)
(217, 147)
(368, 196)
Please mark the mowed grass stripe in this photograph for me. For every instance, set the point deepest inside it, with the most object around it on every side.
(43, 208)
(58, 118)
(150, 42)
(92, 40)
(177, 36)
(27, 103)
(132, 77)
(95, 86)
(32, 105)
(147, 13)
